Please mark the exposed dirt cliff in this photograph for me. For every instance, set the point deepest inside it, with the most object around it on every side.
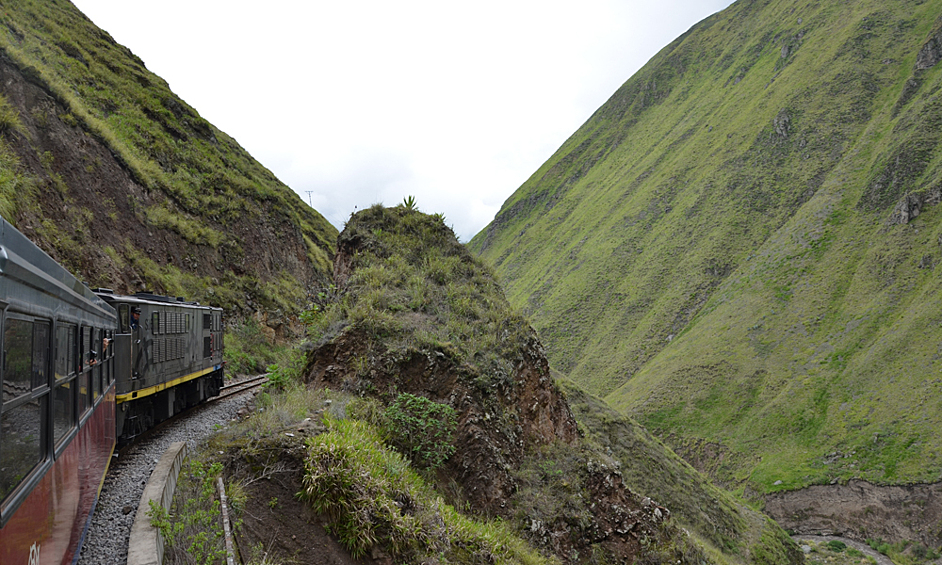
(860, 510)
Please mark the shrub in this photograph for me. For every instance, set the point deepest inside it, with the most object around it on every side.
(422, 429)
(247, 351)
(9, 118)
(287, 371)
(192, 531)
(836, 546)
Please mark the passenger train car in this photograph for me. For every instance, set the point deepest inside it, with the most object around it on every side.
(57, 415)
(80, 372)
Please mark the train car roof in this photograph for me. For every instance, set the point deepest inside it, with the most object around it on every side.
(34, 281)
(150, 298)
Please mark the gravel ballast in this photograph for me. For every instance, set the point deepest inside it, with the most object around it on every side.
(106, 542)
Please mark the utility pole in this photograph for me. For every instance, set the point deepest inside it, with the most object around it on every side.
(309, 192)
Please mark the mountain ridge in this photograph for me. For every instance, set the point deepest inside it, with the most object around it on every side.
(126, 185)
(720, 249)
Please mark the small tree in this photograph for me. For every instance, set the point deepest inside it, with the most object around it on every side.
(422, 429)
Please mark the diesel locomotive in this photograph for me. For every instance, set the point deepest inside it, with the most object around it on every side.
(168, 357)
(80, 371)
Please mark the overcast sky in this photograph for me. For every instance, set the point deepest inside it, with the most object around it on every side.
(356, 102)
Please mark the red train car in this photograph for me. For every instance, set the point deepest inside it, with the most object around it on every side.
(57, 411)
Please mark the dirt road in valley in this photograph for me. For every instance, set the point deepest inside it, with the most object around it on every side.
(862, 547)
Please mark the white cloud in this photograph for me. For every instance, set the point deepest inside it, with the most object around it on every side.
(370, 101)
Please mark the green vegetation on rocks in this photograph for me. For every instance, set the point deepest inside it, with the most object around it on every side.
(411, 285)
(418, 328)
(373, 497)
(731, 529)
(740, 248)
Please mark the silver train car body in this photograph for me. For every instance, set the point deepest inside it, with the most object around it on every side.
(169, 358)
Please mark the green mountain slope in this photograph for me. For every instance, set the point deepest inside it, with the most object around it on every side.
(729, 250)
(126, 185)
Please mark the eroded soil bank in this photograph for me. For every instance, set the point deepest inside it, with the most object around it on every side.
(860, 510)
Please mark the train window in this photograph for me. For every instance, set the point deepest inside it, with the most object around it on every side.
(85, 345)
(82, 390)
(124, 318)
(65, 350)
(20, 448)
(189, 326)
(25, 370)
(207, 322)
(95, 358)
(40, 369)
(155, 321)
(62, 409)
(109, 354)
(17, 358)
(207, 347)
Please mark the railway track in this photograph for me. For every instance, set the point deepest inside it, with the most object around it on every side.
(226, 391)
(239, 387)
(107, 539)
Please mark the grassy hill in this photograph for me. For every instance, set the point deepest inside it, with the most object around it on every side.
(126, 185)
(729, 249)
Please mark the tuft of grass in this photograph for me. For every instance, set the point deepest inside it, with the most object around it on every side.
(192, 530)
(192, 230)
(9, 118)
(248, 350)
(372, 496)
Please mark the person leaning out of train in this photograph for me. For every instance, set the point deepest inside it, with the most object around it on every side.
(93, 355)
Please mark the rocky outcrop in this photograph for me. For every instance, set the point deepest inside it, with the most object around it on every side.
(509, 409)
(496, 425)
(860, 510)
(911, 205)
(930, 53)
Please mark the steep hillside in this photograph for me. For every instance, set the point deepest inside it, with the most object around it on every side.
(416, 314)
(740, 247)
(126, 185)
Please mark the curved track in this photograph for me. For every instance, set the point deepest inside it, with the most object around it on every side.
(226, 391)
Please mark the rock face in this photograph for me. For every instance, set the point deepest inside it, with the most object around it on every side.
(860, 510)
(910, 206)
(930, 54)
(495, 427)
